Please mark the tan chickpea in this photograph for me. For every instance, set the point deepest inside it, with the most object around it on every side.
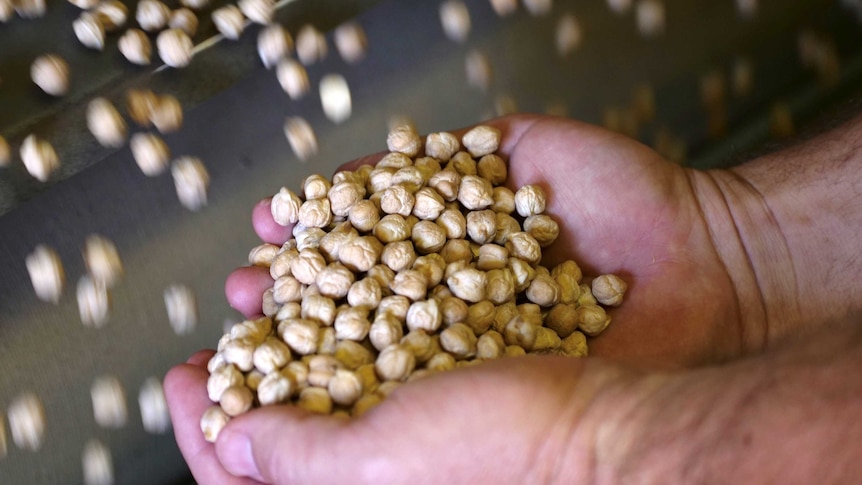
(490, 345)
(315, 400)
(506, 226)
(221, 378)
(432, 270)
(543, 228)
(493, 168)
(563, 319)
(276, 388)
(421, 344)
(475, 193)
(453, 223)
(361, 254)
(343, 196)
(530, 200)
(522, 272)
(519, 331)
(397, 200)
(447, 183)
(543, 291)
(229, 21)
(609, 289)
(364, 215)
(288, 311)
(441, 145)
(281, 263)
(365, 404)
(318, 308)
(523, 246)
(384, 276)
(575, 345)
(424, 315)
(492, 256)
(135, 46)
(504, 200)
(236, 400)
(385, 331)
(395, 363)
(468, 284)
(240, 352)
(398, 256)
(335, 280)
(285, 207)
(481, 140)
(306, 266)
(365, 292)
(262, 255)
(352, 323)
(410, 283)
(315, 213)
(428, 237)
(301, 335)
(463, 163)
(459, 340)
(481, 226)
(293, 78)
(287, 289)
(345, 387)
(392, 228)
(593, 319)
(166, 114)
(213, 421)
(351, 42)
(546, 340)
(404, 139)
(332, 241)
(586, 296)
(456, 250)
(429, 204)
(453, 310)
(353, 355)
(505, 313)
(328, 341)
(411, 178)
(454, 267)
(105, 123)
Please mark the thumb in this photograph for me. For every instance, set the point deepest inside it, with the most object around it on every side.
(285, 444)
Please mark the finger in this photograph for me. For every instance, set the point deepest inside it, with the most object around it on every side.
(185, 390)
(244, 289)
(265, 226)
(200, 358)
(284, 444)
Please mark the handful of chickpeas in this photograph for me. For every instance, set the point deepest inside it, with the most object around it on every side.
(423, 263)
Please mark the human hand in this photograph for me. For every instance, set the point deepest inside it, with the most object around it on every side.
(622, 209)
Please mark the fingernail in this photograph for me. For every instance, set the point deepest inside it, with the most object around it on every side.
(237, 458)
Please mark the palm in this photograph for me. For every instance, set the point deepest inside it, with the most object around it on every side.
(623, 209)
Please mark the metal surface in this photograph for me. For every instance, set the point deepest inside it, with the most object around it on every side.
(234, 115)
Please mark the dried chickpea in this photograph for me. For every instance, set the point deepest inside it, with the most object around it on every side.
(490, 345)
(481, 140)
(46, 273)
(109, 402)
(229, 21)
(93, 302)
(428, 237)
(468, 284)
(446, 182)
(609, 289)
(271, 355)
(293, 78)
(543, 291)
(586, 295)
(310, 45)
(521, 332)
(213, 421)
(315, 213)
(428, 204)
(154, 408)
(89, 31)
(276, 387)
(191, 180)
(397, 200)
(351, 323)
(236, 400)
(575, 345)
(274, 43)
(395, 363)
(523, 246)
(493, 168)
(398, 256)
(463, 163)
(504, 201)
(475, 193)
(175, 47)
(530, 200)
(404, 139)
(431, 269)
(457, 250)
(102, 260)
(39, 157)
(353, 355)
(593, 319)
(185, 20)
(258, 11)
(441, 145)
(410, 283)
(318, 308)
(563, 319)
(411, 178)
(166, 114)
(152, 15)
(315, 400)
(481, 226)
(112, 14)
(51, 74)
(543, 228)
(345, 387)
(424, 315)
(478, 70)
(395, 305)
(364, 215)
(351, 42)
(386, 330)
(360, 254)
(301, 137)
(459, 340)
(392, 228)
(455, 19)
(105, 123)
(301, 335)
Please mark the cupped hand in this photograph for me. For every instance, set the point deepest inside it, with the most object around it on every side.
(622, 209)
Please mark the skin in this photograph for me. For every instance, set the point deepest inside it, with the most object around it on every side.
(726, 269)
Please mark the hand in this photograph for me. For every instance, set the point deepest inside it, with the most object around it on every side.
(622, 209)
